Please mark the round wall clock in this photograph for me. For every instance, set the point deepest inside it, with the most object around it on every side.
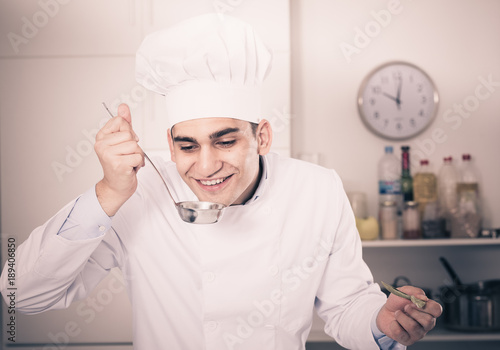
(397, 100)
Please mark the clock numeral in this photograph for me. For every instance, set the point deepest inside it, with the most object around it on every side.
(420, 87)
(421, 113)
(376, 90)
(372, 101)
(376, 115)
(399, 126)
(412, 122)
(396, 75)
(424, 99)
(386, 122)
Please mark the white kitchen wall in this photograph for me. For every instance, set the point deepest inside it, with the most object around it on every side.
(455, 42)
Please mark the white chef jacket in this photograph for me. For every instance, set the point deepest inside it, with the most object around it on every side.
(250, 281)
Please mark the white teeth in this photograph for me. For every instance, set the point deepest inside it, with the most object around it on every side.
(211, 182)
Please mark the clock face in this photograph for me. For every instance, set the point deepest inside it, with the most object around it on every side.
(397, 100)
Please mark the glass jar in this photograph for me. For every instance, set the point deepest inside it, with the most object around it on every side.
(411, 221)
(388, 218)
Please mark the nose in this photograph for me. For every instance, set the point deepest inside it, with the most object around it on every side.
(208, 163)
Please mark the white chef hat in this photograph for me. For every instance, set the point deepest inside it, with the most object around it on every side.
(207, 66)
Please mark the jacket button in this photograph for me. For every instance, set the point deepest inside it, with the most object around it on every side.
(209, 276)
(211, 326)
(273, 270)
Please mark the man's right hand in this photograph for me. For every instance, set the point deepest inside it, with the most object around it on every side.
(121, 157)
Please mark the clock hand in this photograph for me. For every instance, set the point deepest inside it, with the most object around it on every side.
(398, 100)
(395, 99)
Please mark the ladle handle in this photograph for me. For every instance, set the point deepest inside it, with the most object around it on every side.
(451, 272)
(149, 160)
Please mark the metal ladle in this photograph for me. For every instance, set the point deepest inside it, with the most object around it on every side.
(190, 211)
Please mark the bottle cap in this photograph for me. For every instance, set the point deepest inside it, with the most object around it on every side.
(388, 149)
(411, 204)
(388, 204)
(466, 156)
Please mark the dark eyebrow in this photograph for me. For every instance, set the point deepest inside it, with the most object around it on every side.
(223, 132)
(212, 136)
(184, 139)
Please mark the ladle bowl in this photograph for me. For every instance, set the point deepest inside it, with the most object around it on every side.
(193, 212)
(199, 212)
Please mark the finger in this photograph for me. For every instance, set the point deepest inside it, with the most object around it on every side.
(399, 334)
(134, 161)
(426, 320)
(119, 137)
(123, 149)
(115, 125)
(124, 112)
(426, 316)
(407, 329)
(127, 165)
(431, 307)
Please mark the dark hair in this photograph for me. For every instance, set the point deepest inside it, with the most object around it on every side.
(254, 127)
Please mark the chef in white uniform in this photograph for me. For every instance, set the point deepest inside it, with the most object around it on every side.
(286, 244)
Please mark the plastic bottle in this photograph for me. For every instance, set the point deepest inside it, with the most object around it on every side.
(448, 178)
(389, 177)
(468, 172)
(467, 222)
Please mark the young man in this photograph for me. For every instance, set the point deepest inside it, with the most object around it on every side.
(286, 243)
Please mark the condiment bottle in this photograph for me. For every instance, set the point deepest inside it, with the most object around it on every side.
(448, 178)
(388, 219)
(424, 186)
(411, 221)
(406, 179)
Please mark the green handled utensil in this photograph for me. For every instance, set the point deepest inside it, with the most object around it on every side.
(419, 302)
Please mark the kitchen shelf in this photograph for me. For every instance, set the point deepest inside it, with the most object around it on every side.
(440, 334)
(436, 335)
(431, 242)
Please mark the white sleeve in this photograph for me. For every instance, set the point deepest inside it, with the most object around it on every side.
(383, 341)
(52, 271)
(86, 220)
(347, 297)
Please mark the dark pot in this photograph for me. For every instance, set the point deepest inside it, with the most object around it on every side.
(472, 307)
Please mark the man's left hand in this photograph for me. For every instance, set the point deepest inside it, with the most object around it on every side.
(403, 321)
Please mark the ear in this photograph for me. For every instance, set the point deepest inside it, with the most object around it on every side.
(171, 145)
(264, 135)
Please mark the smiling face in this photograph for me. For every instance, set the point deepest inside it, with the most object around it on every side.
(218, 158)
